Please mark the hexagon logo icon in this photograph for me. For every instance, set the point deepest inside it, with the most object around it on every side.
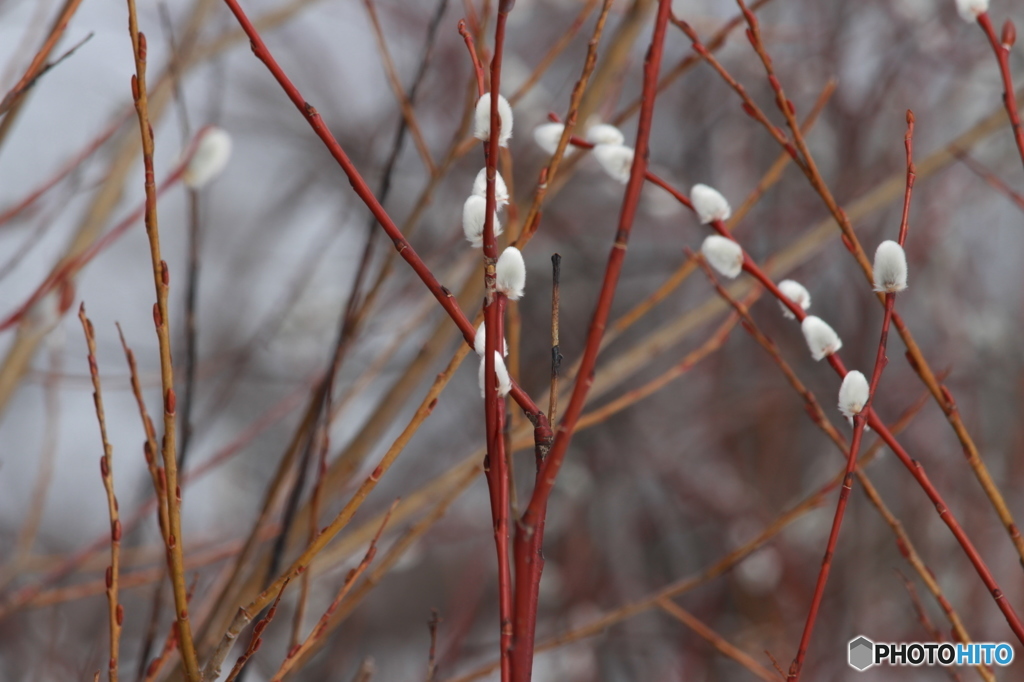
(861, 655)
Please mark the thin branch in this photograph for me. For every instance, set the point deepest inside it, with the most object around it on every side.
(716, 640)
(161, 319)
(530, 528)
(116, 611)
(1001, 48)
(350, 579)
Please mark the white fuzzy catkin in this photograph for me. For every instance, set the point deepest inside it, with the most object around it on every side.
(504, 382)
(548, 135)
(709, 204)
(970, 9)
(209, 158)
(821, 338)
(482, 119)
(603, 133)
(616, 160)
(500, 188)
(853, 394)
(795, 292)
(724, 255)
(473, 212)
(890, 267)
(510, 273)
(480, 341)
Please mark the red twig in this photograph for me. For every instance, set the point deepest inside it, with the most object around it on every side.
(494, 323)
(478, 69)
(38, 64)
(1001, 47)
(68, 268)
(858, 429)
(529, 531)
(69, 166)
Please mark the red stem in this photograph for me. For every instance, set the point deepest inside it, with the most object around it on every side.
(529, 531)
(858, 424)
(1009, 101)
(478, 70)
(494, 314)
(844, 496)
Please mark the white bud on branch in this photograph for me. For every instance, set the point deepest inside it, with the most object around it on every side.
(821, 338)
(500, 188)
(971, 9)
(480, 341)
(211, 154)
(709, 204)
(616, 160)
(510, 273)
(473, 212)
(504, 382)
(548, 135)
(482, 119)
(890, 267)
(795, 292)
(853, 394)
(604, 133)
(724, 255)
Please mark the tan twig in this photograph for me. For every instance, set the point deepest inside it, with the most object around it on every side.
(245, 614)
(396, 86)
(162, 321)
(116, 611)
(394, 553)
(317, 633)
(556, 49)
(255, 640)
(717, 641)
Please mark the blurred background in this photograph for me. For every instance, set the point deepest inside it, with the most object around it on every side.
(651, 494)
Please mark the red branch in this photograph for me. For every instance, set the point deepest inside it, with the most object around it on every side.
(1002, 49)
(912, 465)
(529, 531)
(858, 428)
(494, 318)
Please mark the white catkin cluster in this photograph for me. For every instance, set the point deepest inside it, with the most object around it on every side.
(709, 204)
(480, 341)
(548, 135)
(822, 340)
(795, 292)
(853, 394)
(614, 157)
(500, 188)
(510, 273)
(482, 119)
(724, 255)
(473, 213)
(210, 157)
(890, 268)
(504, 381)
(970, 9)
(603, 133)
